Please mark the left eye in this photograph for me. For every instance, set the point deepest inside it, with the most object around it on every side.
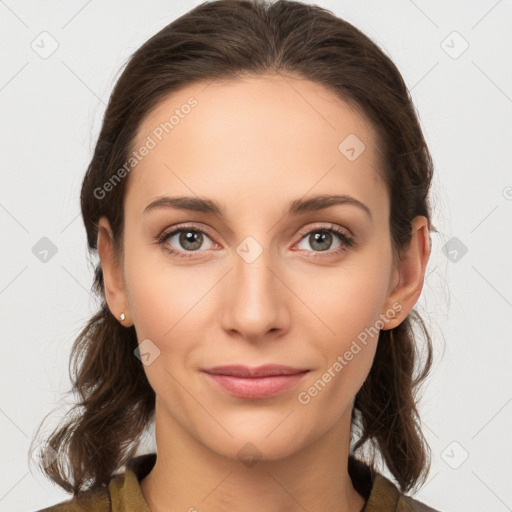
(320, 240)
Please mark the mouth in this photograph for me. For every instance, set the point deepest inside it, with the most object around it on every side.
(254, 383)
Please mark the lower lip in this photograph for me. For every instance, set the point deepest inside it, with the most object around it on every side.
(255, 387)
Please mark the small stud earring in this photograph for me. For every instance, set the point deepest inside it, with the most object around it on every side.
(122, 316)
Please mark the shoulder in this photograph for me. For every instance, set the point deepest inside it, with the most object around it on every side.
(123, 492)
(97, 500)
(386, 496)
(408, 504)
(380, 493)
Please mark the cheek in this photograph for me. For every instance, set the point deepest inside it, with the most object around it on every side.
(348, 299)
(351, 312)
(163, 297)
(168, 304)
(348, 302)
(353, 320)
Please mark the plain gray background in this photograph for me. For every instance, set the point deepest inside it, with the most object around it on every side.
(455, 57)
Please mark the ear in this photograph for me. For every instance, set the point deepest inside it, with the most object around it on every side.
(113, 279)
(408, 276)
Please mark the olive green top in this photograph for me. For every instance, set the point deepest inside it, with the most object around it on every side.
(123, 493)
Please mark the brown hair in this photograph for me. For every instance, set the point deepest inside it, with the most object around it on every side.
(220, 40)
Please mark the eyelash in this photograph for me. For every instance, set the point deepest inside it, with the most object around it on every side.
(347, 241)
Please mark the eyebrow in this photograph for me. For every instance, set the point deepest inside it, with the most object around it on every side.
(198, 204)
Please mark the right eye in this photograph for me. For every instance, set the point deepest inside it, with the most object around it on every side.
(190, 238)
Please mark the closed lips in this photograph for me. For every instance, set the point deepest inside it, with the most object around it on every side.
(261, 371)
(255, 383)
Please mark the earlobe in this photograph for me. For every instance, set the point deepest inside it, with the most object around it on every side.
(113, 280)
(411, 274)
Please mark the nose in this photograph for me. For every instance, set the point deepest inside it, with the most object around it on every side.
(255, 305)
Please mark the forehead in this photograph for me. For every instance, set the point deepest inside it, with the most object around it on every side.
(270, 135)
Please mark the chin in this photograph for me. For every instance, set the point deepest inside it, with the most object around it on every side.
(264, 442)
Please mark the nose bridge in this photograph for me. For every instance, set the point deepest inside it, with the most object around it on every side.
(254, 298)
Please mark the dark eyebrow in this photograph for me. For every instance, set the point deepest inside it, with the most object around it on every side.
(297, 207)
(324, 201)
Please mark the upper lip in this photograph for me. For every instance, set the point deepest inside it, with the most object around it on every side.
(265, 370)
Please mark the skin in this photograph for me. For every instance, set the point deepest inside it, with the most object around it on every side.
(254, 145)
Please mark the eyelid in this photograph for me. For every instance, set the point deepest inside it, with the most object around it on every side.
(320, 226)
(167, 232)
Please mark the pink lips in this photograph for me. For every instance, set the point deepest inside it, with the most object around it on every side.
(260, 382)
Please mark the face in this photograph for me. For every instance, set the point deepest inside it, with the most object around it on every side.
(253, 283)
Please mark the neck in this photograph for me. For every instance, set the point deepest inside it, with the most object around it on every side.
(188, 476)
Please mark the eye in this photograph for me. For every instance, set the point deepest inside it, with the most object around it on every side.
(321, 239)
(184, 239)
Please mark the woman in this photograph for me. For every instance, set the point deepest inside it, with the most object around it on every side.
(258, 197)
